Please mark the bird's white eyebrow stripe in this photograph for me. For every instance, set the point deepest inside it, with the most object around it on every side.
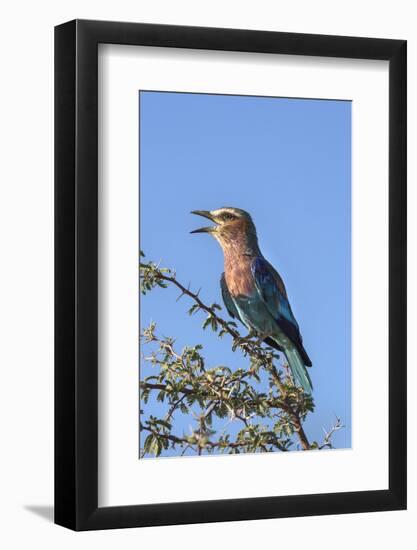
(221, 211)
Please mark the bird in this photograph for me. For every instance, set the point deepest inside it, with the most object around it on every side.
(253, 292)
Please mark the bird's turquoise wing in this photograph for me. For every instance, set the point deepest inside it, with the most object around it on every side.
(268, 287)
(271, 290)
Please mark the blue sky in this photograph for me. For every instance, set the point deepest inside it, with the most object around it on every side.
(288, 163)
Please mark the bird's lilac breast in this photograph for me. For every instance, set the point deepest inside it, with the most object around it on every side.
(239, 278)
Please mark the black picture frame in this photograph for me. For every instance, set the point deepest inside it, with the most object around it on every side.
(76, 271)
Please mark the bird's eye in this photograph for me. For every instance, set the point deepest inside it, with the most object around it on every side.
(228, 217)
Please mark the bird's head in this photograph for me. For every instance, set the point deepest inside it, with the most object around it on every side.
(231, 225)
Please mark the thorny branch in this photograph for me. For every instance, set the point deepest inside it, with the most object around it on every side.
(269, 419)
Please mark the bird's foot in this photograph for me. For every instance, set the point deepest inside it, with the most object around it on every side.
(261, 339)
(244, 341)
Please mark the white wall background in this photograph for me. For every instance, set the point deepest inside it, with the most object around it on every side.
(26, 275)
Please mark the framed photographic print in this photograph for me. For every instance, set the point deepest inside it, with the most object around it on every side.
(230, 274)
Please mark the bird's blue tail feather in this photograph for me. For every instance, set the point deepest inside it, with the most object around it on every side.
(298, 369)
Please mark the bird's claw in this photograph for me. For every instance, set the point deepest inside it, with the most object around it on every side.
(244, 342)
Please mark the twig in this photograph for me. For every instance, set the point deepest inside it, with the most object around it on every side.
(328, 435)
(212, 444)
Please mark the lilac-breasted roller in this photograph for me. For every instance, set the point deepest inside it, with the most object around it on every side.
(253, 290)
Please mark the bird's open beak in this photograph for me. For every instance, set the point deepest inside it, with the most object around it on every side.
(204, 214)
